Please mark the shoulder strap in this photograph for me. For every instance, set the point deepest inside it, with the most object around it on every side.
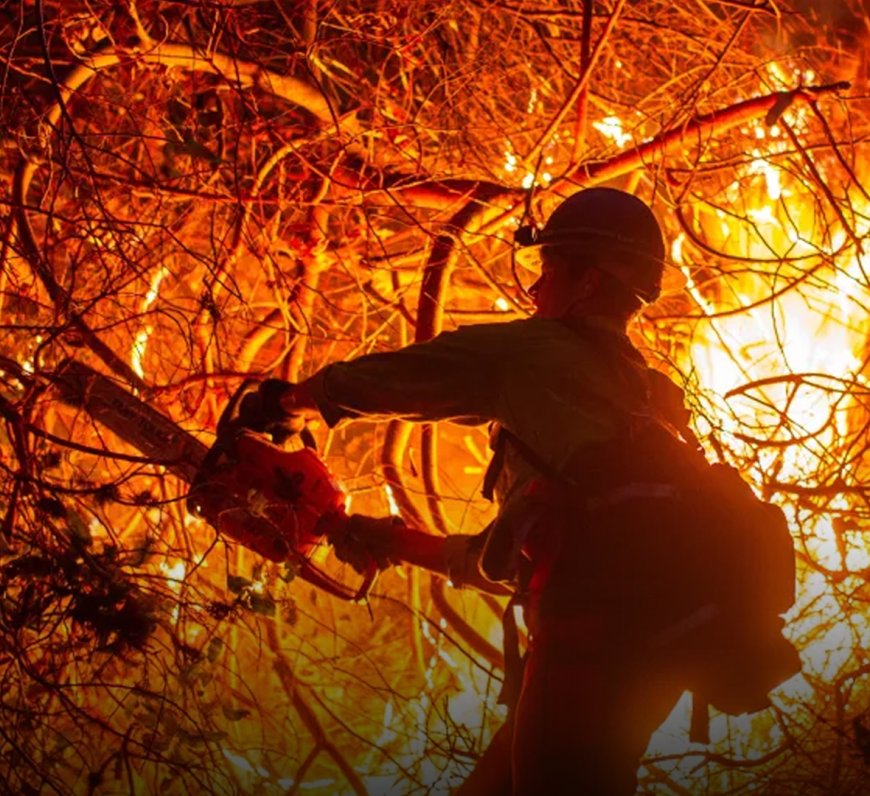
(497, 462)
(494, 468)
(532, 458)
(597, 337)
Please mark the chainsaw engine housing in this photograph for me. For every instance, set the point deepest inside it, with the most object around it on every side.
(276, 502)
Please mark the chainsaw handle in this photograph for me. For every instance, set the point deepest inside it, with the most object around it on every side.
(371, 575)
(230, 416)
(316, 577)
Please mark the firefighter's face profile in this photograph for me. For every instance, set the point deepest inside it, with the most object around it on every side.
(539, 290)
(559, 287)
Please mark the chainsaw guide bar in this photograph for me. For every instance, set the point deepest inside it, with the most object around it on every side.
(132, 419)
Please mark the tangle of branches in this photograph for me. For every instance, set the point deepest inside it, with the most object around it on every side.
(198, 191)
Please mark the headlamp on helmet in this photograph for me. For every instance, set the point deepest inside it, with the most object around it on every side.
(611, 219)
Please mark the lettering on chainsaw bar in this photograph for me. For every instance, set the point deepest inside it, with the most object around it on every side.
(156, 435)
(139, 424)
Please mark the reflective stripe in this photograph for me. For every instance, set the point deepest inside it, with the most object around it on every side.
(631, 491)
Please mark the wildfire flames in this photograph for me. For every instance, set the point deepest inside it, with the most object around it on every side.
(785, 380)
(182, 214)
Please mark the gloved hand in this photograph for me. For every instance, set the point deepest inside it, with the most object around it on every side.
(363, 540)
(265, 410)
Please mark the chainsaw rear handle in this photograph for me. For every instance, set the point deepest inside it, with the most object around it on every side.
(316, 577)
(332, 527)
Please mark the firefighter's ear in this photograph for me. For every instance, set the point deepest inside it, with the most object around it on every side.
(585, 285)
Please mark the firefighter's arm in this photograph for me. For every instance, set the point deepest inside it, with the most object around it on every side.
(454, 376)
(389, 541)
(454, 557)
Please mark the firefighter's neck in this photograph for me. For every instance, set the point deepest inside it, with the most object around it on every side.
(569, 295)
(582, 307)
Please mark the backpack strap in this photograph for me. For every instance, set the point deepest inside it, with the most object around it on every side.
(494, 468)
(596, 499)
(496, 463)
(531, 457)
(513, 660)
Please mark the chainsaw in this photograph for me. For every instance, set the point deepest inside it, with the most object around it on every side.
(280, 503)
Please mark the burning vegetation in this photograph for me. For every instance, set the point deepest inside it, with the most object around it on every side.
(196, 191)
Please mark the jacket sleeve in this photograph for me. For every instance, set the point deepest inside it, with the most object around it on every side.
(451, 377)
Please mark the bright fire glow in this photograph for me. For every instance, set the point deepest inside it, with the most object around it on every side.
(611, 127)
(174, 573)
(799, 350)
(512, 164)
(391, 500)
(140, 340)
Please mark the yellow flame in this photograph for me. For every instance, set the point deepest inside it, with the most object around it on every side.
(174, 573)
(391, 500)
(140, 340)
(611, 127)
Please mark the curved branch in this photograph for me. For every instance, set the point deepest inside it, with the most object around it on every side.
(245, 74)
(59, 296)
(698, 130)
(395, 441)
(465, 631)
(704, 127)
(429, 467)
(442, 258)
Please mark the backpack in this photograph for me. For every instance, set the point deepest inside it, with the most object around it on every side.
(732, 554)
(725, 563)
